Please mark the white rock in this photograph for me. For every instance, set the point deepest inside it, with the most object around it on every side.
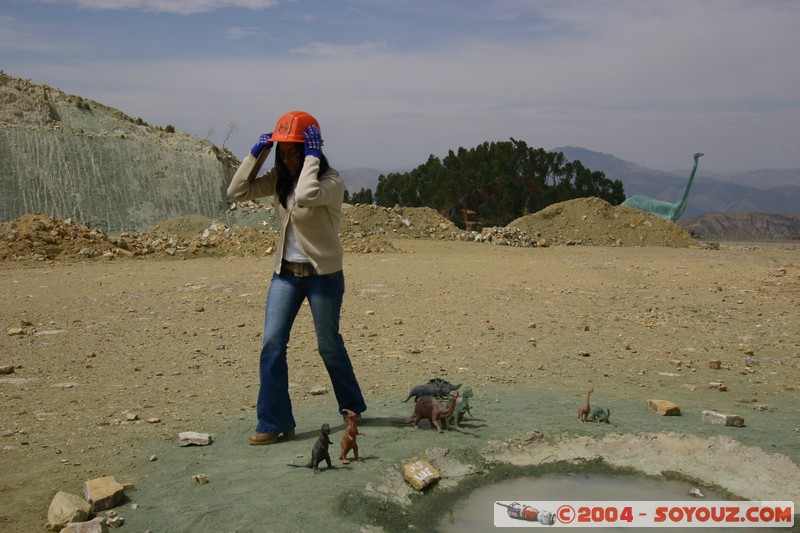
(188, 438)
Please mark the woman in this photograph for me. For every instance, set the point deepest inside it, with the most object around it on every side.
(307, 198)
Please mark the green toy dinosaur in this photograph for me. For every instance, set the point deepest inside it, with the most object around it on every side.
(462, 407)
(661, 208)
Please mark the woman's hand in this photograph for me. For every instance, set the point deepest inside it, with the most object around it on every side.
(313, 141)
(263, 142)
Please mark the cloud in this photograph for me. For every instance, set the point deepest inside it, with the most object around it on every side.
(242, 32)
(650, 86)
(337, 50)
(182, 7)
(19, 36)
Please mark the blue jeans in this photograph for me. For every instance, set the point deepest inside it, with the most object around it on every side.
(285, 296)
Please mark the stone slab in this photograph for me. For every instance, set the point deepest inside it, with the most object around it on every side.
(723, 419)
(103, 493)
(189, 438)
(663, 407)
(420, 473)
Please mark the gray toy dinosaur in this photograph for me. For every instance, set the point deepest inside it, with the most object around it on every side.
(436, 387)
(600, 414)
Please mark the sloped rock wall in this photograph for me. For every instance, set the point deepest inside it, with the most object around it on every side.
(116, 184)
(68, 157)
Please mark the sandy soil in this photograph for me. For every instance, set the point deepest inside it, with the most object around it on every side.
(113, 358)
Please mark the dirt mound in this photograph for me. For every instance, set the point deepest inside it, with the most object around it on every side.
(595, 222)
(40, 237)
(361, 220)
(365, 229)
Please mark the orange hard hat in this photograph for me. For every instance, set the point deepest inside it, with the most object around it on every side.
(290, 127)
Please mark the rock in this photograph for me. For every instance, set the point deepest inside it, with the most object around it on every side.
(420, 473)
(114, 520)
(199, 479)
(66, 508)
(15, 331)
(7, 369)
(103, 493)
(188, 438)
(98, 525)
(697, 493)
(718, 385)
(715, 364)
(318, 391)
(722, 419)
(663, 407)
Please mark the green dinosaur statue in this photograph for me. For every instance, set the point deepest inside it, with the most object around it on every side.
(661, 208)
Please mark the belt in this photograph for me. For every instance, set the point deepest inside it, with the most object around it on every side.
(300, 270)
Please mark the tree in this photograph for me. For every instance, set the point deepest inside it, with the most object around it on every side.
(232, 127)
(364, 196)
(499, 181)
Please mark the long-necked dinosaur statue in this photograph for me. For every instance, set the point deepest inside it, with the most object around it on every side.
(661, 208)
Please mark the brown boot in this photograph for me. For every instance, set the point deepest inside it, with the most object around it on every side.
(258, 439)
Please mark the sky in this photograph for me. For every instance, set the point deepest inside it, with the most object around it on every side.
(394, 81)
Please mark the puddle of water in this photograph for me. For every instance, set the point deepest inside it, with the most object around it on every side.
(475, 513)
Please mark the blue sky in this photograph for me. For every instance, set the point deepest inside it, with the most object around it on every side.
(393, 81)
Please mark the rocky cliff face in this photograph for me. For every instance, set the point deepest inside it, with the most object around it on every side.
(745, 226)
(69, 157)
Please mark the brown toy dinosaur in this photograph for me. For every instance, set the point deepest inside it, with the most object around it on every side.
(319, 452)
(584, 410)
(349, 438)
(428, 407)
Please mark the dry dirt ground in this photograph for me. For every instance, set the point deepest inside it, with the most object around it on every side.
(113, 355)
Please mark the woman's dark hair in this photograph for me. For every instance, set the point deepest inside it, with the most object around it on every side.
(285, 182)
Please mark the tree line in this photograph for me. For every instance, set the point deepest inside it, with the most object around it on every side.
(491, 184)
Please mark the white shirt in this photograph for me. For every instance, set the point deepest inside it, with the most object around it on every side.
(292, 250)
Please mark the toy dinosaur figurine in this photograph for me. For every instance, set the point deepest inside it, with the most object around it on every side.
(584, 410)
(600, 414)
(319, 452)
(462, 407)
(440, 389)
(661, 208)
(439, 382)
(349, 438)
(428, 407)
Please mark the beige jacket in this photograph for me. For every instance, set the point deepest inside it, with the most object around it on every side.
(316, 213)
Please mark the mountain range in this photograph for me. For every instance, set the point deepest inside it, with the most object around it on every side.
(758, 191)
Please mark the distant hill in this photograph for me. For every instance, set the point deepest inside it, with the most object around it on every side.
(744, 227)
(359, 178)
(763, 191)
